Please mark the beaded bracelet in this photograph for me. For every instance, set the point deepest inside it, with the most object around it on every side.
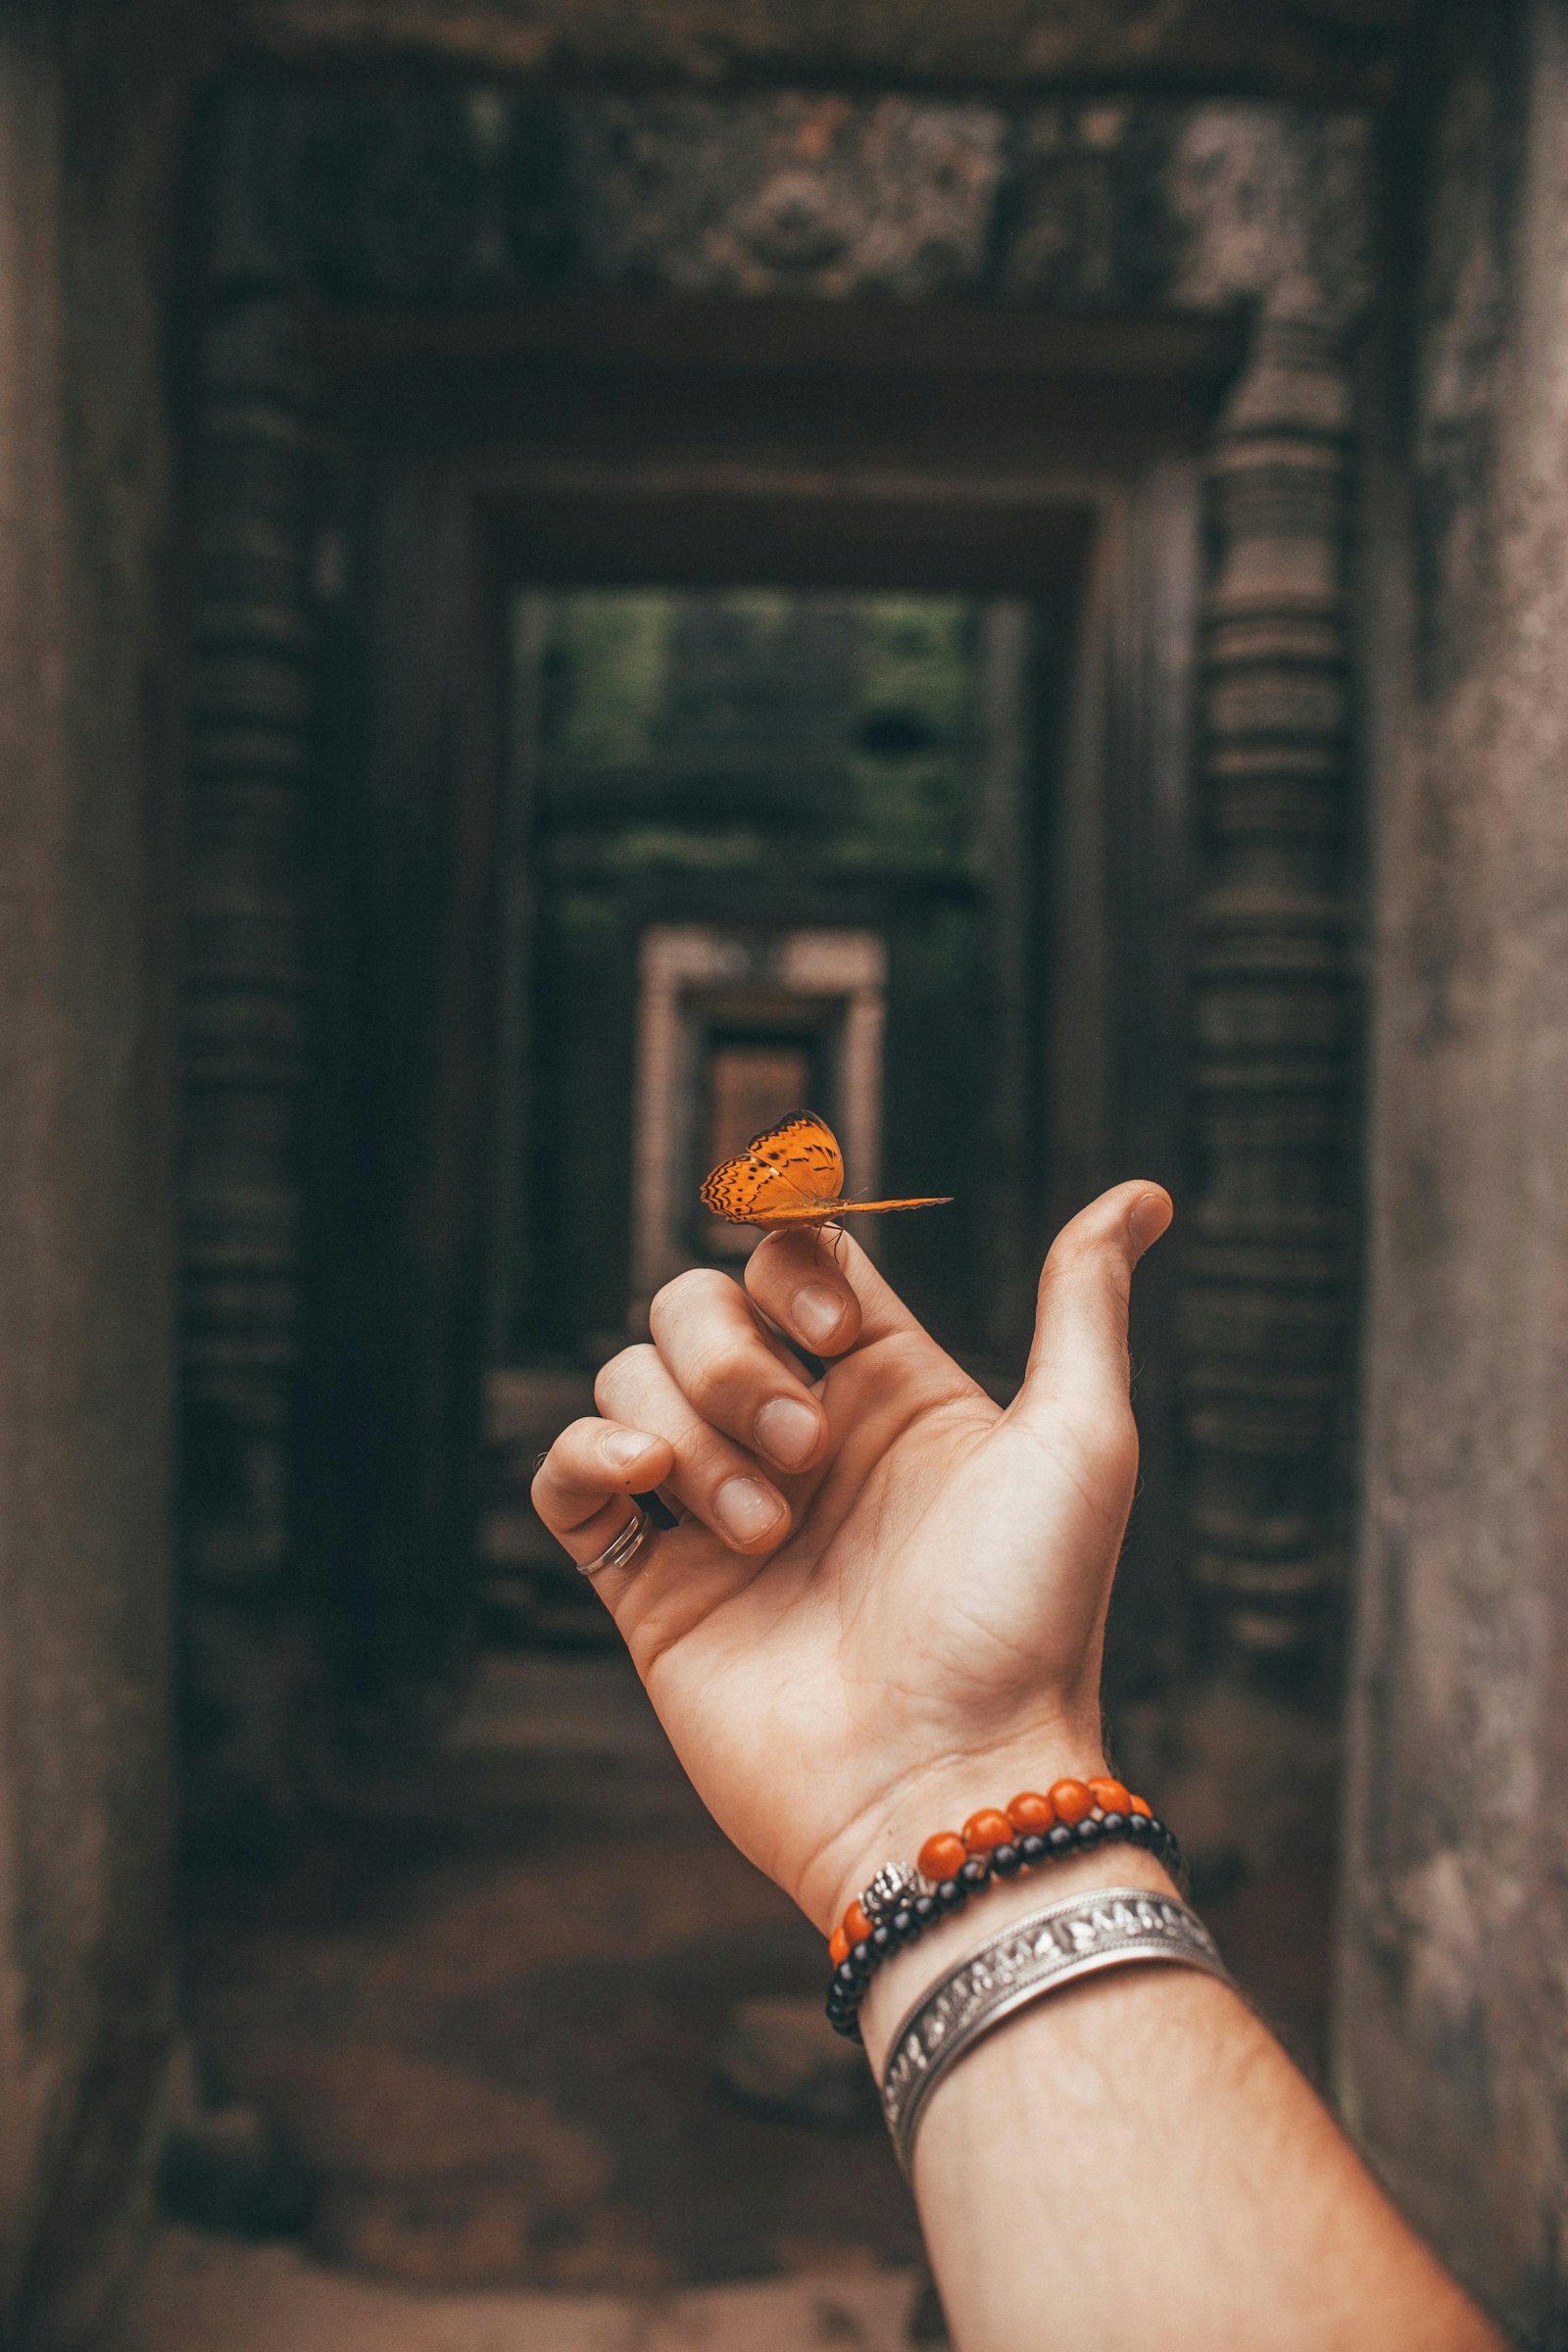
(1072, 1818)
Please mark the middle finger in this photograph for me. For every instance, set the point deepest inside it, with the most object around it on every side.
(715, 1480)
(738, 1377)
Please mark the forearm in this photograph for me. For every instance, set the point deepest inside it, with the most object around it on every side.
(1133, 2161)
(901, 1625)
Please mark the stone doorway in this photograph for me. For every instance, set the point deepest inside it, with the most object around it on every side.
(468, 353)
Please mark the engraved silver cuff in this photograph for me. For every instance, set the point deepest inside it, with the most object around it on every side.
(1107, 1927)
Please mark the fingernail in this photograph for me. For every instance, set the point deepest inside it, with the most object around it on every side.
(746, 1508)
(787, 1430)
(816, 1312)
(624, 1446)
(1149, 1219)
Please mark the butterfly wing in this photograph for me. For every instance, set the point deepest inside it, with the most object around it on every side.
(816, 1211)
(804, 1151)
(875, 1208)
(789, 1174)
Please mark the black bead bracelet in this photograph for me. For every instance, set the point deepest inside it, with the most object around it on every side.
(906, 1923)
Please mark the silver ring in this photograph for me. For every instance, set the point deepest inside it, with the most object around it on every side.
(622, 1546)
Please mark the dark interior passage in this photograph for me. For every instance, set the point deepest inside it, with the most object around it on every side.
(1213, 338)
(707, 709)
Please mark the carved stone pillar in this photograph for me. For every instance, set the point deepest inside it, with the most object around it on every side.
(1267, 1264)
(243, 1020)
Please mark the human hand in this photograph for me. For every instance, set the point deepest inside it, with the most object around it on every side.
(887, 1606)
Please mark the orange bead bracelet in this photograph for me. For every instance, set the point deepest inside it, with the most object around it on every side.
(953, 1865)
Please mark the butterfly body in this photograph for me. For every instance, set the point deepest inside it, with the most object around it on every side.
(792, 1174)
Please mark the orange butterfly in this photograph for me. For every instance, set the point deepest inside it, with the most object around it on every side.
(791, 1174)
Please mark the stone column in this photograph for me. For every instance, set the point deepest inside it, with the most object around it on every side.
(243, 1013)
(1266, 1262)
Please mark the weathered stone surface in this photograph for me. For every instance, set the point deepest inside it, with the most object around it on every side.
(1453, 1996)
(1268, 196)
(1267, 1287)
(384, 192)
(242, 1036)
(85, 1047)
(1325, 48)
(820, 196)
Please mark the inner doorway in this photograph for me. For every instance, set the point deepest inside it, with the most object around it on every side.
(860, 660)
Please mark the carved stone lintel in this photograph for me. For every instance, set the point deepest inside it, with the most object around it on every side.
(1267, 1272)
(397, 192)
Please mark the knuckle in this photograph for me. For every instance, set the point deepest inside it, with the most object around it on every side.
(623, 1374)
(1066, 1257)
(720, 1370)
(697, 1287)
(1056, 1270)
(575, 1438)
(1092, 1285)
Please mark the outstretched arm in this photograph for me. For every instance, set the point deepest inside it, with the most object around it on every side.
(885, 1610)
(1135, 2162)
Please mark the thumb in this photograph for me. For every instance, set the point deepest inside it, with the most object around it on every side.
(1079, 1356)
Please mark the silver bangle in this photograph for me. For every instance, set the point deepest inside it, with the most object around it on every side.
(1107, 1927)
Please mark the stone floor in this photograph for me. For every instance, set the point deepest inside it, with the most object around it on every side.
(203, 2294)
(488, 2008)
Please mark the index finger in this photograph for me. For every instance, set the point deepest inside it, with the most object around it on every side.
(816, 1284)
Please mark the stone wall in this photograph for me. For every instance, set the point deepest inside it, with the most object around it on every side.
(1453, 1997)
(85, 1177)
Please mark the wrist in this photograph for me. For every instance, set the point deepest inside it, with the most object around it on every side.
(943, 1797)
(911, 1973)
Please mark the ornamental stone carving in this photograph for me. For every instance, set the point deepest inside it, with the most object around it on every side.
(1274, 1014)
(382, 193)
(243, 1038)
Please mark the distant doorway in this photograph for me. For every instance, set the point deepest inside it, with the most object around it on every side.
(765, 848)
(771, 847)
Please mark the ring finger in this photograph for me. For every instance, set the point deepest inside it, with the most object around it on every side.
(718, 1483)
(582, 1485)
